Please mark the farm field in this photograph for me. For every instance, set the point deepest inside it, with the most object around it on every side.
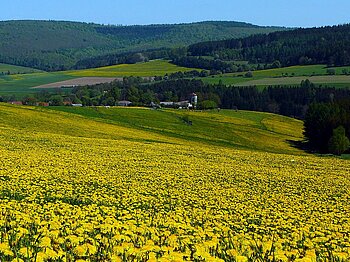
(148, 69)
(284, 76)
(23, 84)
(90, 185)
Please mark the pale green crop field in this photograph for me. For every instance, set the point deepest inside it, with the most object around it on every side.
(148, 69)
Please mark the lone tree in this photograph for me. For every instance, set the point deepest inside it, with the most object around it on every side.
(249, 74)
(339, 142)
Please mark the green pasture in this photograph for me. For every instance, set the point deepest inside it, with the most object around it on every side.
(12, 69)
(284, 76)
(241, 129)
(20, 85)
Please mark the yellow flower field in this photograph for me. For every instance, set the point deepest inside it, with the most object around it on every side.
(88, 191)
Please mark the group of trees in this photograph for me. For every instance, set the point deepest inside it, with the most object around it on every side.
(327, 126)
(130, 57)
(209, 64)
(325, 45)
(218, 66)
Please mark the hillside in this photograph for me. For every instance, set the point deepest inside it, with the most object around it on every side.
(78, 186)
(324, 45)
(53, 45)
(227, 128)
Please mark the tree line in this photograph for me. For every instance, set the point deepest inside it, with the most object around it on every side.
(327, 126)
(291, 101)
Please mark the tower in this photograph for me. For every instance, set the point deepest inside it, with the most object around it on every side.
(194, 100)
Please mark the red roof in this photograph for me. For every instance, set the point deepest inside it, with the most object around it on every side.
(16, 103)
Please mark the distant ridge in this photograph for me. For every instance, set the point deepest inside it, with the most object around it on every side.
(301, 46)
(59, 45)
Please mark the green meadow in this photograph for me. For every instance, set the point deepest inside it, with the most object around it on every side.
(229, 128)
(23, 83)
(285, 76)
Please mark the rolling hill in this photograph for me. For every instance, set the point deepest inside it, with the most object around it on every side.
(226, 128)
(320, 45)
(58, 45)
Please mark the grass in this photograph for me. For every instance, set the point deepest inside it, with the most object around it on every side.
(22, 84)
(242, 129)
(5, 68)
(284, 76)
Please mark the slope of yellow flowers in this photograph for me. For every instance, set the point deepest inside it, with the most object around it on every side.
(79, 190)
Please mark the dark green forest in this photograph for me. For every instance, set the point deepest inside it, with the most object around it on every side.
(58, 45)
(325, 45)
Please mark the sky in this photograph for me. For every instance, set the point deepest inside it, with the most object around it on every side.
(292, 13)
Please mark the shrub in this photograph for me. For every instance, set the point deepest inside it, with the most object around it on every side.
(331, 71)
(248, 74)
(209, 104)
(339, 142)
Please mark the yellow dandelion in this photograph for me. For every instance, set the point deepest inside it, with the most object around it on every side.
(5, 249)
(17, 260)
(45, 242)
(115, 258)
(26, 252)
(80, 251)
(41, 257)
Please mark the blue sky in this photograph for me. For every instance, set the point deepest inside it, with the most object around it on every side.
(296, 13)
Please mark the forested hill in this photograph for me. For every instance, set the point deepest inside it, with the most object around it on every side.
(324, 45)
(57, 45)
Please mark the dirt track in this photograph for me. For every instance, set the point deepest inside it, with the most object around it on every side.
(83, 81)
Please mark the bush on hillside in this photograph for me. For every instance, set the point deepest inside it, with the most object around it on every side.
(339, 142)
(208, 104)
